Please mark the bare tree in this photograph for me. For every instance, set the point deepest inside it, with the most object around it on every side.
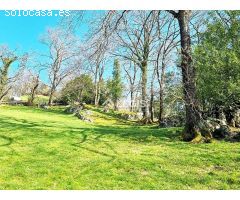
(34, 83)
(136, 36)
(139, 35)
(98, 78)
(32, 77)
(62, 56)
(168, 34)
(115, 22)
(152, 94)
(131, 71)
(96, 54)
(96, 63)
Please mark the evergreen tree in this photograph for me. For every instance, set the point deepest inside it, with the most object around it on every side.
(218, 62)
(116, 89)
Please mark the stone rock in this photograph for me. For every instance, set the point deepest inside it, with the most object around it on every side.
(127, 116)
(232, 123)
(124, 116)
(163, 124)
(83, 115)
(234, 137)
(106, 110)
(222, 132)
(174, 121)
(215, 128)
(72, 109)
(139, 116)
(222, 117)
(80, 112)
(237, 118)
(131, 116)
(216, 123)
(88, 112)
(83, 104)
(44, 106)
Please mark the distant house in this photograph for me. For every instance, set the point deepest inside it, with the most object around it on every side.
(15, 98)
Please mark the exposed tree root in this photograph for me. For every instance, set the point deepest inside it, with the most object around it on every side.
(197, 136)
(146, 121)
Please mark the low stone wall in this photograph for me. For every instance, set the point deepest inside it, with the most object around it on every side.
(80, 111)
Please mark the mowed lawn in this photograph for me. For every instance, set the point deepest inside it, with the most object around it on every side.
(48, 149)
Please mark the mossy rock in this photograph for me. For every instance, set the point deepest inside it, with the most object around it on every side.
(198, 138)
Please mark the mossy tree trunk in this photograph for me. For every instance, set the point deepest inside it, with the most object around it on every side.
(4, 71)
(193, 116)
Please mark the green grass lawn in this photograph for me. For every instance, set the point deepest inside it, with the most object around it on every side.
(48, 149)
(38, 99)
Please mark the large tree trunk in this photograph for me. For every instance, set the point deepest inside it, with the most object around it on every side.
(132, 80)
(115, 106)
(3, 94)
(96, 86)
(33, 95)
(33, 92)
(4, 76)
(193, 115)
(132, 96)
(151, 106)
(144, 90)
(50, 101)
(96, 94)
(151, 110)
(144, 105)
(161, 94)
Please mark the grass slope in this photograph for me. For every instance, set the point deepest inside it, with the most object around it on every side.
(38, 99)
(47, 149)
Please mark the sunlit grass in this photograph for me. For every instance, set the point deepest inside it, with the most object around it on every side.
(48, 149)
(38, 99)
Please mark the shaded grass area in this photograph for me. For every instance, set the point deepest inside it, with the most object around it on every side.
(48, 149)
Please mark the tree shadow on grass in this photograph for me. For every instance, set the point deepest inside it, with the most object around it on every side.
(96, 139)
(58, 111)
(7, 140)
(111, 115)
(101, 140)
(94, 133)
(96, 151)
(32, 109)
(138, 134)
(13, 123)
(135, 133)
